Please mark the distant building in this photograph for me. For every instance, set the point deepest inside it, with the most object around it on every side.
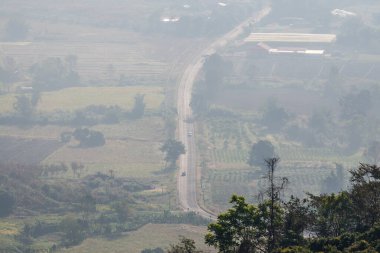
(24, 89)
(290, 43)
(343, 13)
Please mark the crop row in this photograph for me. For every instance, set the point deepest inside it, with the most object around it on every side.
(316, 154)
(228, 156)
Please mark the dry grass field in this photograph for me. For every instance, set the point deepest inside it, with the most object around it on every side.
(72, 99)
(127, 158)
(149, 236)
(131, 149)
(75, 98)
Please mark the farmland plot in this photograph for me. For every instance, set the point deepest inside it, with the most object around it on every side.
(71, 99)
(126, 158)
(145, 237)
(26, 151)
(94, 59)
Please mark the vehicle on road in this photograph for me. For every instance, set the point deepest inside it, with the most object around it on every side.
(183, 173)
(189, 133)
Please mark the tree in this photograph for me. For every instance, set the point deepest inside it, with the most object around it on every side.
(199, 100)
(274, 117)
(7, 203)
(332, 214)
(76, 168)
(88, 205)
(172, 149)
(373, 152)
(186, 245)
(9, 71)
(74, 232)
(122, 210)
(16, 29)
(23, 106)
(89, 138)
(139, 107)
(365, 195)
(241, 228)
(321, 121)
(356, 104)
(273, 191)
(260, 151)
(53, 73)
(335, 182)
(296, 220)
(215, 70)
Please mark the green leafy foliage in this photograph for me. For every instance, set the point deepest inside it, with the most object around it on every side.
(185, 245)
(242, 227)
(172, 149)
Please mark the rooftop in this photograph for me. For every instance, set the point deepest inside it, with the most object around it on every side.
(291, 37)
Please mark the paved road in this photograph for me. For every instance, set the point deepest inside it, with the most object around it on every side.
(187, 185)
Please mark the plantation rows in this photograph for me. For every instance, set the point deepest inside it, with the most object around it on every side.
(228, 156)
(290, 154)
(235, 133)
(302, 178)
(316, 154)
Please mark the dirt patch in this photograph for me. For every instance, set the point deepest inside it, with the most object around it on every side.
(26, 151)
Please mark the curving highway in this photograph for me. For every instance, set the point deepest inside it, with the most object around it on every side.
(189, 174)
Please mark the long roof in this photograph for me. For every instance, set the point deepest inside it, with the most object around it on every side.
(291, 37)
